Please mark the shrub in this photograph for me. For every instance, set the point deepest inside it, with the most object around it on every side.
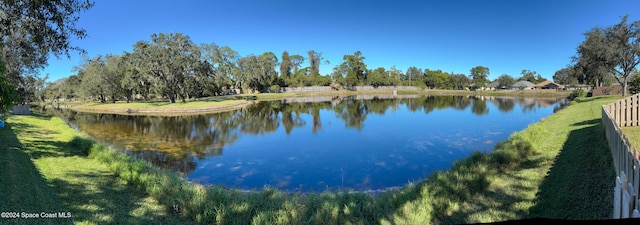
(274, 89)
(81, 144)
(512, 152)
(420, 84)
(634, 85)
(577, 94)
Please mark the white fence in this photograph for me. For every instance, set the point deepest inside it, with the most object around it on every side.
(21, 109)
(623, 113)
(337, 98)
(353, 88)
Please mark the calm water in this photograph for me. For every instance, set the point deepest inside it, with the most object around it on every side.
(347, 143)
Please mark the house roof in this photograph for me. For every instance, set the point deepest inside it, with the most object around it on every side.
(548, 83)
(523, 83)
(494, 84)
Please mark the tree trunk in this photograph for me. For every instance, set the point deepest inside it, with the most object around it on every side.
(183, 97)
(624, 87)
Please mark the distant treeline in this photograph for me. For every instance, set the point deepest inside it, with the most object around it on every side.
(172, 66)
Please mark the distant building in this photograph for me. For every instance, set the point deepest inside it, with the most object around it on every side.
(523, 84)
(548, 85)
(493, 86)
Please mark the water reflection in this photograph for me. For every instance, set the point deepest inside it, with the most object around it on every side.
(181, 143)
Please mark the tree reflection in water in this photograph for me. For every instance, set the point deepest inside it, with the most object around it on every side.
(176, 142)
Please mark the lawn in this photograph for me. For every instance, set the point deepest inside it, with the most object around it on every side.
(45, 169)
(570, 175)
(633, 134)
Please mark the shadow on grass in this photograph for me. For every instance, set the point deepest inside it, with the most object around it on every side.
(22, 187)
(69, 182)
(98, 199)
(222, 98)
(502, 201)
(162, 102)
(41, 146)
(579, 185)
(592, 122)
(38, 115)
(581, 100)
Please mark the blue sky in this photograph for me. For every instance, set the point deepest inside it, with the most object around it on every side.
(505, 35)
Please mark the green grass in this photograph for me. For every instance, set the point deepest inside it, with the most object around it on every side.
(212, 104)
(569, 175)
(44, 168)
(633, 134)
(558, 168)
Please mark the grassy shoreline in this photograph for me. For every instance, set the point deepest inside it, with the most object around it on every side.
(227, 103)
(547, 170)
(44, 168)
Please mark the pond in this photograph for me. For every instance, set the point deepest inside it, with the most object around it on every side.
(358, 143)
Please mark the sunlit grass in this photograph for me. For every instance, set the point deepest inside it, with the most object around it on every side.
(44, 166)
(633, 134)
(160, 107)
(548, 170)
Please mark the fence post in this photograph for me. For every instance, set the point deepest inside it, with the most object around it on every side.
(618, 113)
(634, 110)
(617, 199)
(636, 181)
(626, 204)
(626, 112)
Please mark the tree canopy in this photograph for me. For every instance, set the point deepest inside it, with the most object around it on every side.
(479, 75)
(506, 80)
(7, 92)
(356, 70)
(31, 31)
(610, 51)
(531, 76)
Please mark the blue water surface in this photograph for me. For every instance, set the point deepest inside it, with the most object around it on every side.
(389, 150)
(340, 143)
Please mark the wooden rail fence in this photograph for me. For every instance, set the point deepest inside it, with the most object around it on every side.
(623, 113)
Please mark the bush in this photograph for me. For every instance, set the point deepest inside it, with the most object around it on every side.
(420, 84)
(81, 144)
(512, 152)
(274, 89)
(634, 85)
(577, 94)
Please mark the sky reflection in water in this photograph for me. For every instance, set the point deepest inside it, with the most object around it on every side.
(347, 144)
